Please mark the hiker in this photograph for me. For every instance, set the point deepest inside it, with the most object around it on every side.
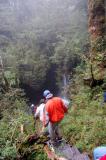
(40, 114)
(104, 96)
(103, 157)
(99, 153)
(33, 108)
(103, 103)
(55, 109)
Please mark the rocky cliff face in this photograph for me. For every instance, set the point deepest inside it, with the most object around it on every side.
(97, 36)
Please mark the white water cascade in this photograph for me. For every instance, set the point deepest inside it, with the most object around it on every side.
(65, 85)
(64, 80)
(65, 90)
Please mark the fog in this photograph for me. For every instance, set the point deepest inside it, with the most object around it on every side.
(46, 35)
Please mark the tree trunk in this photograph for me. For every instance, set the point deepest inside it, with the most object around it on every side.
(97, 26)
(3, 78)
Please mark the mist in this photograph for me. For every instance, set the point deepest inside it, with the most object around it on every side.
(37, 35)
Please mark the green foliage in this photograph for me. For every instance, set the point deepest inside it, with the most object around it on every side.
(31, 37)
(38, 156)
(31, 43)
(10, 132)
(99, 45)
(12, 100)
(9, 152)
(11, 78)
(15, 114)
(87, 126)
(84, 126)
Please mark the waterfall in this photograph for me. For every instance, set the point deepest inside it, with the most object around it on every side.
(11, 3)
(65, 90)
(65, 84)
(66, 101)
(64, 80)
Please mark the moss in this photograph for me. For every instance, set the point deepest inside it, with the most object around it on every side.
(98, 45)
(84, 126)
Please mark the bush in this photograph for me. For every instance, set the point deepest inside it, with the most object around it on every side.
(84, 126)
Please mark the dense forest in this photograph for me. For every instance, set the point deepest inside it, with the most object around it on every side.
(35, 34)
(58, 45)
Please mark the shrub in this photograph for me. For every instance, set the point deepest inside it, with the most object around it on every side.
(84, 126)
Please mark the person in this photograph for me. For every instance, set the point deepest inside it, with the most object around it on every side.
(55, 110)
(33, 108)
(103, 157)
(40, 114)
(104, 96)
(99, 153)
(103, 102)
(39, 110)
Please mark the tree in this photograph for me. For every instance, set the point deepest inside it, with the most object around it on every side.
(4, 85)
(30, 37)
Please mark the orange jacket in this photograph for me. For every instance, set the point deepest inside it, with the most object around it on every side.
(56, 109)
